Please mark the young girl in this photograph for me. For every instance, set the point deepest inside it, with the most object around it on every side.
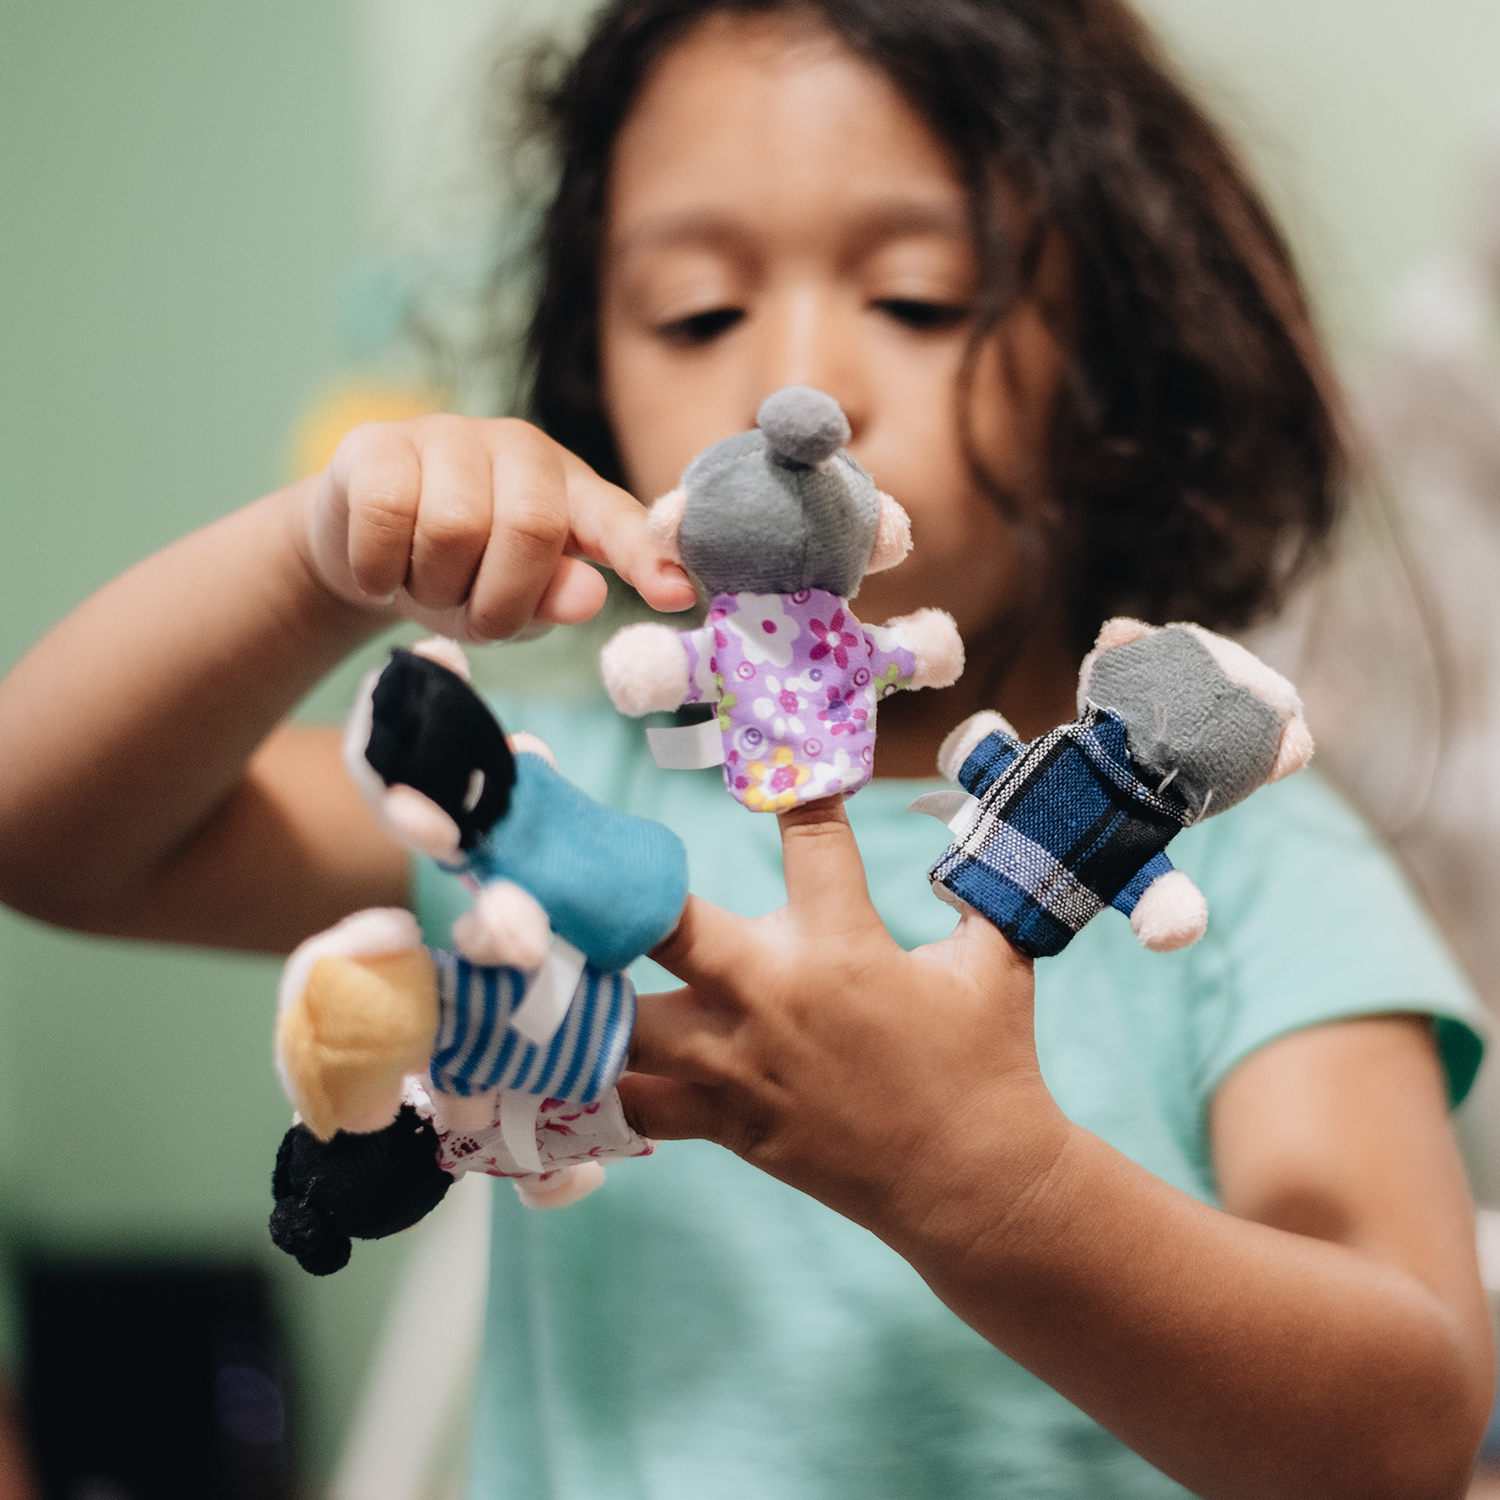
(1172, 1221)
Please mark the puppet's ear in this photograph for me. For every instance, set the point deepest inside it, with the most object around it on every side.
(1294, 750)
(892, 537)
(523, 742)
(665, 519)
(445, 652)
(1113, 634)
(1120, 631)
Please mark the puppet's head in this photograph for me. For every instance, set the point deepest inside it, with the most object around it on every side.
(353, 1186)
(1199, 708)
(428, 754)
(782, 508)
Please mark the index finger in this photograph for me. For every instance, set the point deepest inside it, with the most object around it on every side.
(825, 875)
(609, 527)
(710, 948)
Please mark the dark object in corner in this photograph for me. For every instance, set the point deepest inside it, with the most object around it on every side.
(155, 1382)
(354, 1186)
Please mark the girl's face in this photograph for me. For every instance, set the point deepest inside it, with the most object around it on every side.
(779, 215)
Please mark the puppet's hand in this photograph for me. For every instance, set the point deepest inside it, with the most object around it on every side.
(506, 926)
(1171, 914)
(476, 528)
(887, 1084)
(645, 669)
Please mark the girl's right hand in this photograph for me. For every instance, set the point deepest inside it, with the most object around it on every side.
(476, 528)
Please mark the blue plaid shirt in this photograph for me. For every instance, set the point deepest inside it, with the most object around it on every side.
(1066, 826)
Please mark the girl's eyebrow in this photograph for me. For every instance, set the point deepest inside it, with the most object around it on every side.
(734, 232)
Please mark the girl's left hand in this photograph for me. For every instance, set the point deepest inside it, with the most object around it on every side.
(1243, 1353)
(809, 1043)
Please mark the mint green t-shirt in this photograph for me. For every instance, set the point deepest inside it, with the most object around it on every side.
(696, 1330)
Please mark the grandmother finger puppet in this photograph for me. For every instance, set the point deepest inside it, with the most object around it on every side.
(1175, 724)
(409, 1065)
(780, 525)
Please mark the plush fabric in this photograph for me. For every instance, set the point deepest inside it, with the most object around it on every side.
(477, 1049)
(697, 1328)
(612, 885)
(1065, 827)
(644, 668)
(796, 680)
(359, 1186)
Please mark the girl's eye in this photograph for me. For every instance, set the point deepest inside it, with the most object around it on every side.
(702, 328)
(922, 317)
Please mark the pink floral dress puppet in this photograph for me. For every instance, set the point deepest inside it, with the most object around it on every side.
(780, 525)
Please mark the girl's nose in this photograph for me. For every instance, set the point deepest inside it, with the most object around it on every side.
(809, 337)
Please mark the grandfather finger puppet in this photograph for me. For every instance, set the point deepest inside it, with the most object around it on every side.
(1175, 724)
(780, 525)
(503, 1055)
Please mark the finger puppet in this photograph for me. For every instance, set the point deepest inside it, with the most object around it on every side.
(501, 1056)
(780, 525)
(543, 859)
(368, 1017)
(1175, 724)
(371, 1184)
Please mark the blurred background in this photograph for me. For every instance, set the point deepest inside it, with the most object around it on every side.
(229, 232)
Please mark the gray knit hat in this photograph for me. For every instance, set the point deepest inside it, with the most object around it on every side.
(783, 508)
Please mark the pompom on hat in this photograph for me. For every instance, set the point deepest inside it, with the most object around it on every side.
(803, 425)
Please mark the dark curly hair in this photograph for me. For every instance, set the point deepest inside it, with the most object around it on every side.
(1195, 459)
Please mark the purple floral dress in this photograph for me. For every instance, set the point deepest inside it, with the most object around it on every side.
(796, 679)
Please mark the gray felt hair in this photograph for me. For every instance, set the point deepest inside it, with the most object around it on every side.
(783, 508)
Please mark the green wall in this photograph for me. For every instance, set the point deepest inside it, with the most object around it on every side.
(1368, 120)
(180, 203)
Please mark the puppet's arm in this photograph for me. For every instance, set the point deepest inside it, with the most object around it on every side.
(919, 650)
(651, 668)
(978, 750)
(506, 925)
(1166, 910)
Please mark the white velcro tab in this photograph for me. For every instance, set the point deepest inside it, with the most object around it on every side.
(687, 747)
(518, 1114)
(955, 808)
(549, 994)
